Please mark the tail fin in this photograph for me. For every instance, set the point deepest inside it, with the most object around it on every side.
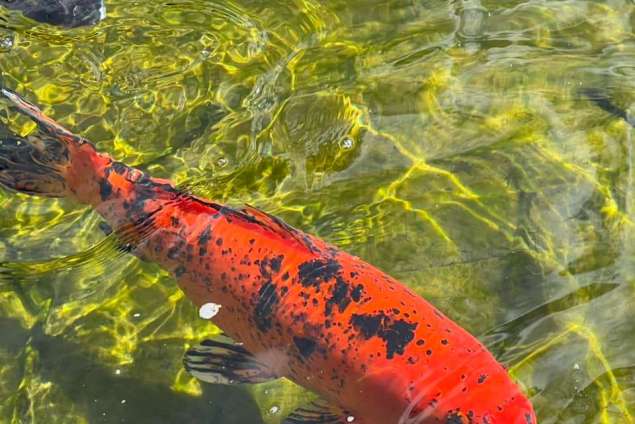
(39, 163)
(33, 165)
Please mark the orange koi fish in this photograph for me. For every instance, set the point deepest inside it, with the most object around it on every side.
(296, 307)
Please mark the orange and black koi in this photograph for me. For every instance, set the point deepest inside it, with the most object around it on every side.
(374, 351)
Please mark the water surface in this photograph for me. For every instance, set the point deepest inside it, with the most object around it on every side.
(448, 143)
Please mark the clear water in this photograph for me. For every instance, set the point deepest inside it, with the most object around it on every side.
(445, 142)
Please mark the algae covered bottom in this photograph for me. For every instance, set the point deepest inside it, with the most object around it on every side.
(445, 142)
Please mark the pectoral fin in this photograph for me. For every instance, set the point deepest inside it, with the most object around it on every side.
(225, 363)
(320, 412)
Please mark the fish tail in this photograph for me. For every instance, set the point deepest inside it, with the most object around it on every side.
(51, 162)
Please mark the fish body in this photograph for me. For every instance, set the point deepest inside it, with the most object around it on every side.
(373, 349)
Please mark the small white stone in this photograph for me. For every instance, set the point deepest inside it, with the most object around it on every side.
(209, 310)
(576, 366)
(350, 419)
(136, 315)
(123, 401)
(6, 43)
(274, 410)
(117, 371)
(347, 143)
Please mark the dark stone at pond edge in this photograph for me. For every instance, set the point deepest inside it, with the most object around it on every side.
(67, 13)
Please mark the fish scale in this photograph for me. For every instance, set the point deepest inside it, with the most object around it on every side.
(301, 308)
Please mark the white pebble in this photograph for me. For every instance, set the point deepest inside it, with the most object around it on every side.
(347, 143)
(117, 371)
(350, 419)
(274, 410)
(209, 310)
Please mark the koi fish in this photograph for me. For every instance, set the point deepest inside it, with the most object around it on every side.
(291, 305)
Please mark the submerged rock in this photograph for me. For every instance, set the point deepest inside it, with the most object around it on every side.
(67, 13)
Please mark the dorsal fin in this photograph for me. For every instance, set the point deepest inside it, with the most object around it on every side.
(278, 226)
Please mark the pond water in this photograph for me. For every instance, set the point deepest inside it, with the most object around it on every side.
(448, 143)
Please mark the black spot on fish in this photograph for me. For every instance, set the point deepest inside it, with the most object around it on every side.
(528, 419)
(174, 221)
(397, 336)
(119, 168)
(368, 325)
(276, 262)
(219, 242)
(357, 292)
(138, 204)
(179, 271)
(482, 378)
(339, 297)
(270, 266)
(105, 189)
(317, 271)
(396, 333)
(265, 306)
(305, 346)
(454, 418)
(205, 236)
(444, 342)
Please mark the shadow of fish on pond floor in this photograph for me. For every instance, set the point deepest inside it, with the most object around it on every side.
(98, 392)
(602, 100)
